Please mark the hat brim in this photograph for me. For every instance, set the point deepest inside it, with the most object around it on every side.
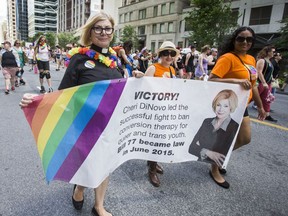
(168, 48)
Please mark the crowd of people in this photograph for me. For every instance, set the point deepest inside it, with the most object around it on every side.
(96, 60)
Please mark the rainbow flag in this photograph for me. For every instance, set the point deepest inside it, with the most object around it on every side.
(66, 124)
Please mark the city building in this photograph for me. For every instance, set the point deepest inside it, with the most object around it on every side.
(22, 20)
(74, 13)
(11, 18)
(3, 30)
(157, 21)
(154, 21)
(42, 16)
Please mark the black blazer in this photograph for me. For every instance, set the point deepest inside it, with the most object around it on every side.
(218, 141)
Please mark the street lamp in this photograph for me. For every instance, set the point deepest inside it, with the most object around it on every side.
(55, 11)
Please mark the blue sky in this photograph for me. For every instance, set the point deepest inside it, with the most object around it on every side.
(3, 10)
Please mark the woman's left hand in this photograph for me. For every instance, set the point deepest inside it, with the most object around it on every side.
(27, 99)
(216, 157)
(246, 84)
(137, 74)
(261, 114)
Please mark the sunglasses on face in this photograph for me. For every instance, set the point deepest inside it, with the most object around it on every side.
(99, 30)
(241, 39)
(17, 43)
(168, 52)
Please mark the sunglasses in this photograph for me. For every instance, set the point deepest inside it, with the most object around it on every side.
(17, 43)
(241, 39)
(168, 52)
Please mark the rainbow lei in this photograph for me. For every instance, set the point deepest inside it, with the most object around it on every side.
(110, 61)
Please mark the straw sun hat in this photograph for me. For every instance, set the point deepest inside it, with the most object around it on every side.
(168, 45)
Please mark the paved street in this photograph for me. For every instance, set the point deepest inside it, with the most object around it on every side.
(257, 173)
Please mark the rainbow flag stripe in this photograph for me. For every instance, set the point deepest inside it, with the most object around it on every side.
(66, 124)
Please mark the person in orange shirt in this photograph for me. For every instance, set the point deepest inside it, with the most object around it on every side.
(238, 67)
(166, 54)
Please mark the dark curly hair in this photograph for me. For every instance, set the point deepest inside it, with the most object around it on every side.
(228, 45)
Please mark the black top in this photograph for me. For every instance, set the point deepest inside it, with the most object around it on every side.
(190, 62)
(267, 72)
(82, 69)
(218, 141)
(8, 59)
(143, 65)
(276, 68)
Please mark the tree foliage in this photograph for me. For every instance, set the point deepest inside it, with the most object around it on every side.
(283, 39)
(51, 39)
(281, 44)
(210, 20)
(65, 38)
(129, 34)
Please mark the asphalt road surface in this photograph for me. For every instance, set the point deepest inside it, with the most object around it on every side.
(257, 173)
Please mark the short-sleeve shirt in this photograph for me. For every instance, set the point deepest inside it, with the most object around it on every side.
(161, 71)
(230, 66)
(82, 69)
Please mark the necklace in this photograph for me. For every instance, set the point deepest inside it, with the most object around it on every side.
(109, 61)
(42, 46)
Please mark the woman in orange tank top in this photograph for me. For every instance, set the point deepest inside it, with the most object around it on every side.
(166, 53)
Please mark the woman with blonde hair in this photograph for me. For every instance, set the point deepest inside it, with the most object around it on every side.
(215, 136)
(95, 62)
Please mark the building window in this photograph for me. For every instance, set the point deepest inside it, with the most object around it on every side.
(155, 11)
(171, 8)
(188, 27)
(142, 14)
(260, 15)
(285, 14)
(180, 26)
(126, 17)
(154, 28)
(162, 27)
(120, 18)
(235, 14)
(160, 43)
(163, 9)
(170, 27)
(180, 44)
(153, 44)
(141, 30)
(130, 16)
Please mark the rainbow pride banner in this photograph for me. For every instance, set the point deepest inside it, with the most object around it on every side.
(84, 133)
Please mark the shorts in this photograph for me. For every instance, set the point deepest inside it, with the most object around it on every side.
(189, 69)
(246, 113)
(43, 65)
(9, 72)
(31, 61)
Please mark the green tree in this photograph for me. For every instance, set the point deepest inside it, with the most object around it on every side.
(66, 38)
(129, 34)
(51, 39)
(281, 44)
(210, 20)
